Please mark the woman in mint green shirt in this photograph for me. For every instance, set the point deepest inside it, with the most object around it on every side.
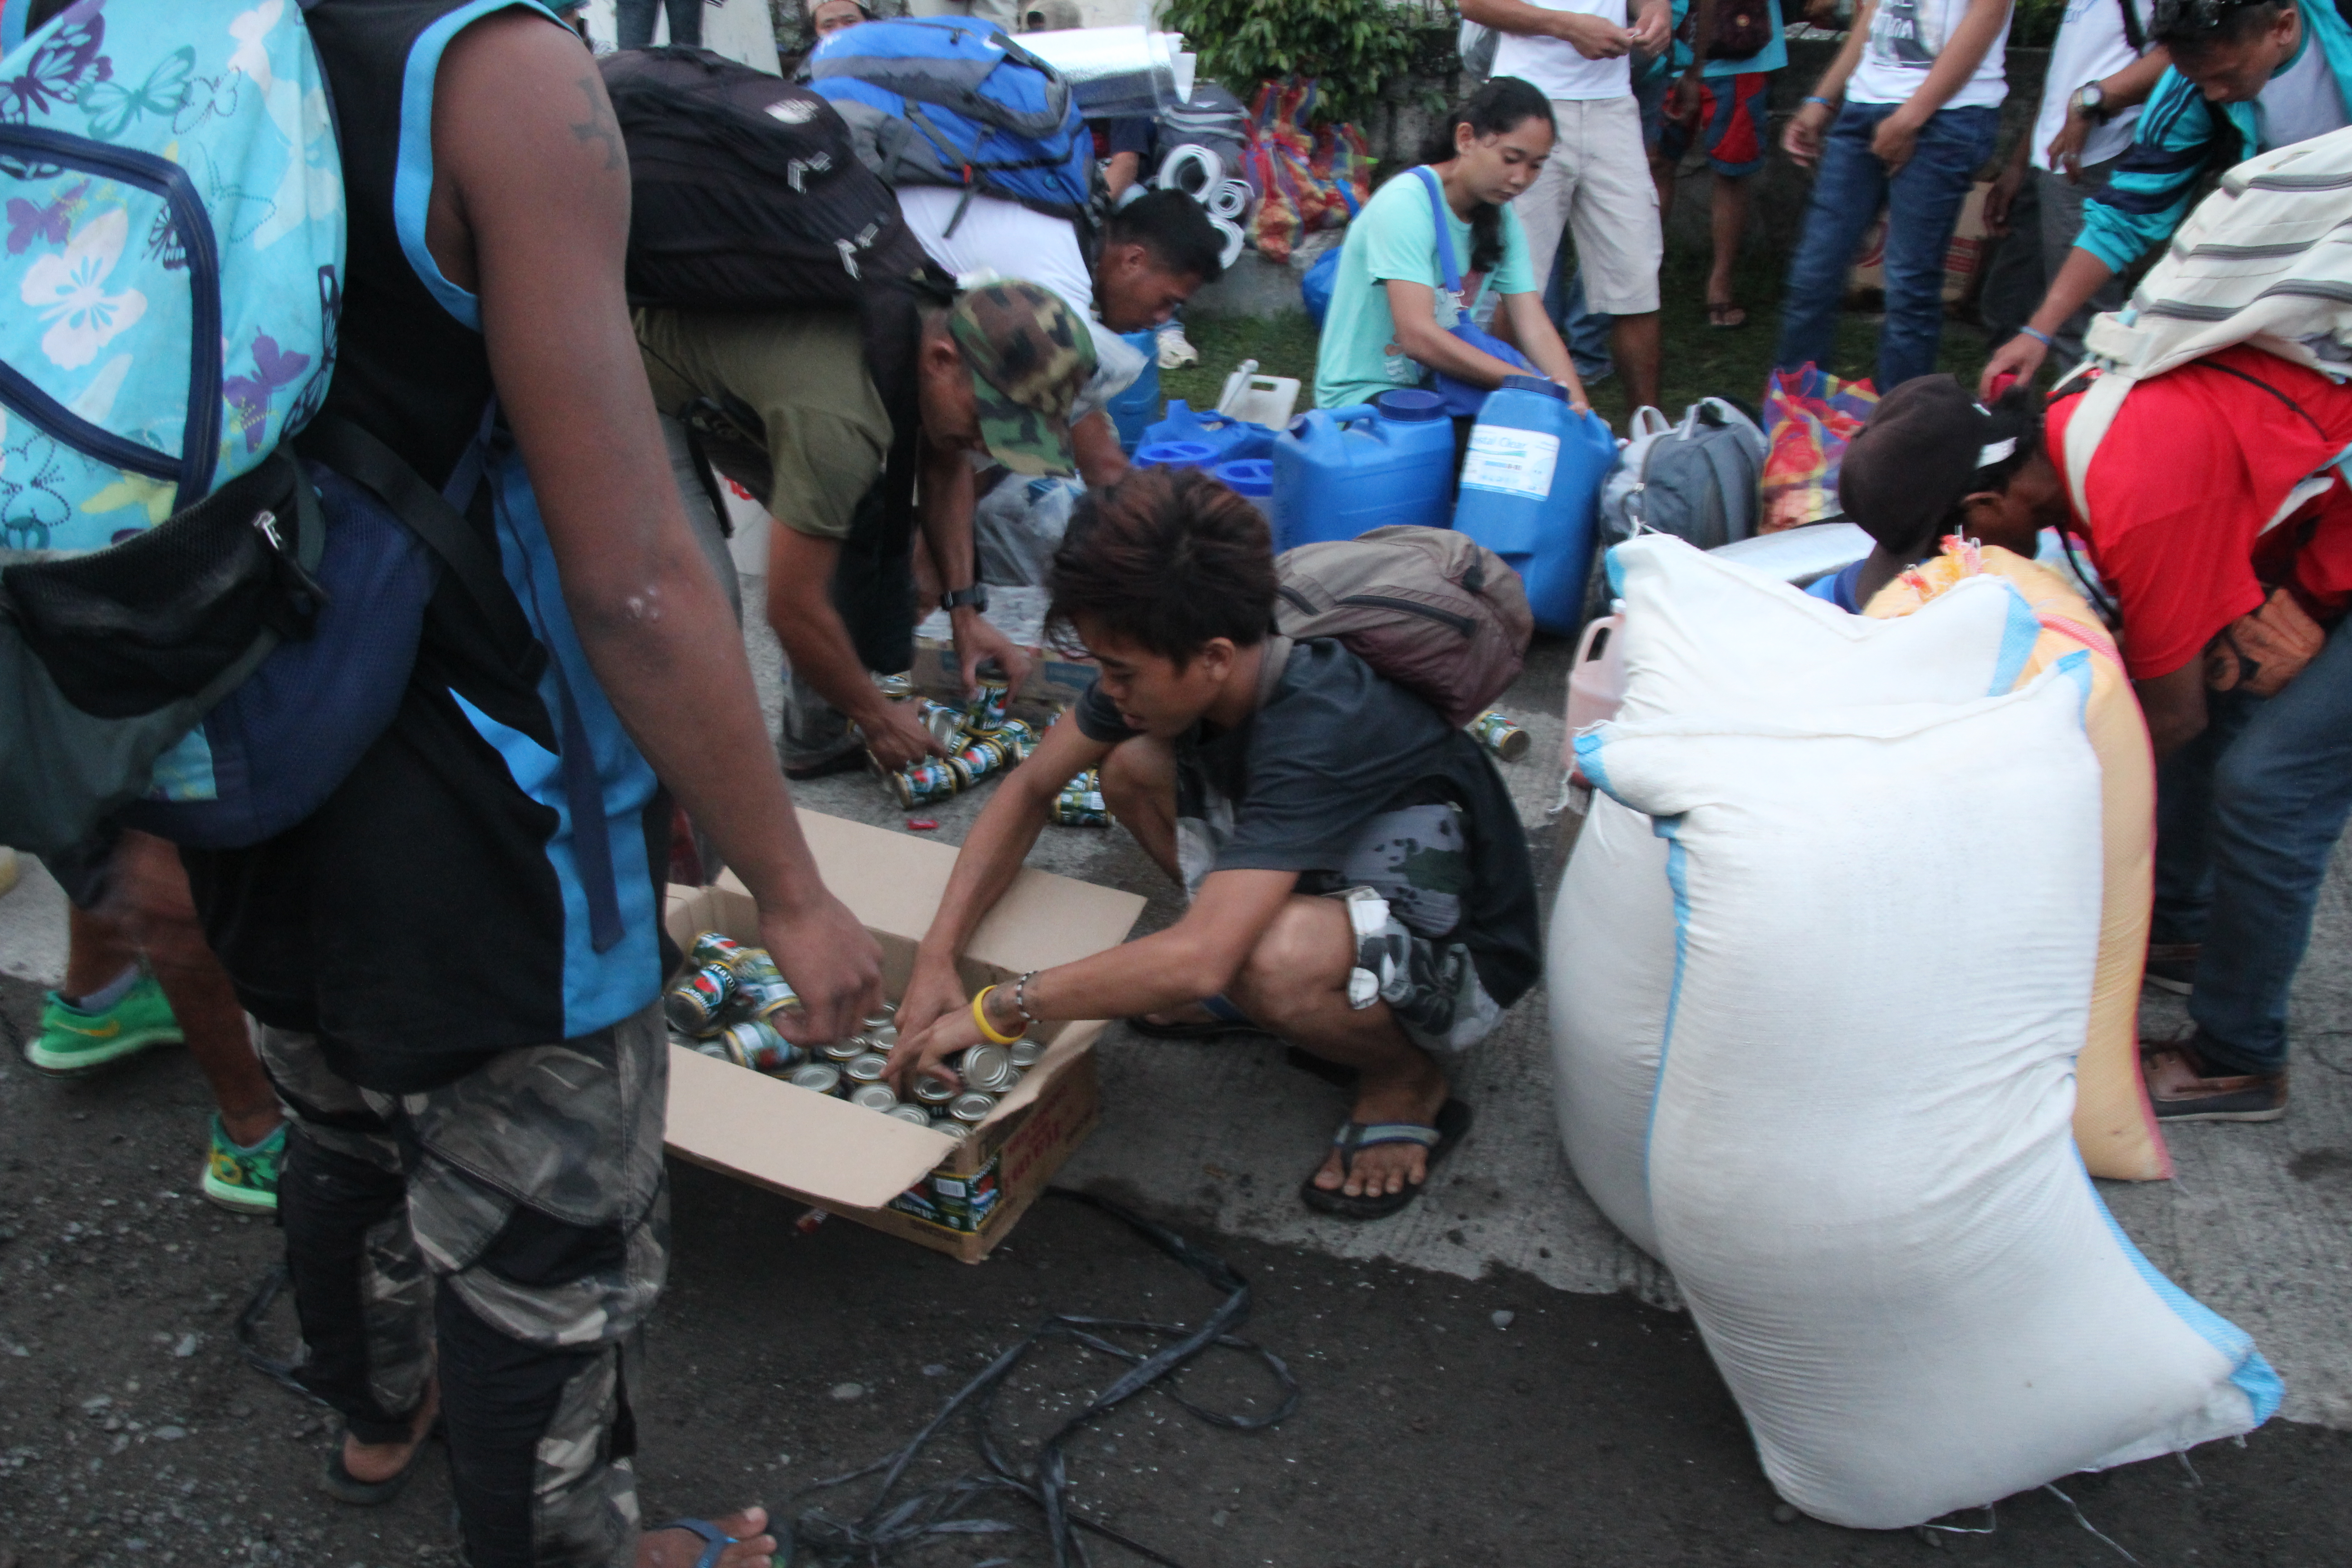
(1389, 310)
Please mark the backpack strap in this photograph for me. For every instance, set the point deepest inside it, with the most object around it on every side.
(2134, 34)
(1444, 231)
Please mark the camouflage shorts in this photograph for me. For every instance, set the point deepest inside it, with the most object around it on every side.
(1431, 986)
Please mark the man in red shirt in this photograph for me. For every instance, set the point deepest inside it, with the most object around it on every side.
(2224, 533)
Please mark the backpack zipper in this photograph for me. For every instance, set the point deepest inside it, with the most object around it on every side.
(1461, 624)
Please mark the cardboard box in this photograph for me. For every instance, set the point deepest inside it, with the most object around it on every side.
(957, 1198)
(1964, 257)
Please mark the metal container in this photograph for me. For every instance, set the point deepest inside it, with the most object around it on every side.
(840, 1052)
(866, 1070)
(897, 687)
(983, 756)
(932, 1090)
(818, 1077)
(761, 983)
(1500, 736)
(921, 782)
(698, 1001)
(755, 1044)
(881, 1016)
(1080, 804)
(1019, 740)
(981, 1063)
(914, 1115)
(970, 1108)
(985, 714)
(874, 1097)
(959, 1130)
(1004, 1083)
(1024, 1054)
(881, 1036)
(714, 947)
(945, 723)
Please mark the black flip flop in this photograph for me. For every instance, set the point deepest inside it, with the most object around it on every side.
(345, 1487)
(1453, 1124)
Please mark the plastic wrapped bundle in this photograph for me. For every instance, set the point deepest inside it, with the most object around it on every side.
(1118, 71)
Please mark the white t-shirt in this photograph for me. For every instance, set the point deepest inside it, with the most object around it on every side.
(2090, 46)
(2303, 100)
(1009, 240)
(1906, 36)
(1553, 67)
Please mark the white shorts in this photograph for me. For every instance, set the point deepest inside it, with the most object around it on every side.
(1597, 185)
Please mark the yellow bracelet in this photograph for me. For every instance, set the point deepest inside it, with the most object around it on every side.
(980, 1017)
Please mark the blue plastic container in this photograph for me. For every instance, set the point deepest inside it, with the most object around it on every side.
(1132, 410)
(1229, 438)
(1341, 472)
(1251, 478)
(1530, 489)
(1175, 454)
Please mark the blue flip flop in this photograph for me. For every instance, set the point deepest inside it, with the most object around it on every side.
(720, 1539)
(1452, 1125)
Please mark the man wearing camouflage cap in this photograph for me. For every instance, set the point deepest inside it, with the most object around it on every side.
(787, 404)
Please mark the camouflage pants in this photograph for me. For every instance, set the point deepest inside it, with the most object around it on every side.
(512, 1225)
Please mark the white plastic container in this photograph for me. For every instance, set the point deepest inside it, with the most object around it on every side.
(1596, 683)
(1265, 400)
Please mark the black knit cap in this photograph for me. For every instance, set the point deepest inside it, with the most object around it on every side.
(1918, 457)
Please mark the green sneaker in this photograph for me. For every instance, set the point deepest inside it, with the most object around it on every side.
(245, 1180)
(72, 1042)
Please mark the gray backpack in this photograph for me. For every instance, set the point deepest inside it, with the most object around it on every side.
(1699, 480)
(1439, 613)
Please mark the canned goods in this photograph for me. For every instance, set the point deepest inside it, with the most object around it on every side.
(1019, 740)
(958, 1130)
(876, 1020)
(882, 1036)
(841, 1052)
(754, 1044)
(985, 714)
(1500, 736)
(920, 782)
(982, 1064)
(711, 1049)
(761, 983)
(914, 1115)
(932, 1090)
(982, 756)
(971, 1109)
(866, 1070)
(1024, 1052)
(1080, 804)
(714, 947)
(695, 1002)
(818, 1077)
(945, 723)
(874, 1097)
(897, 687)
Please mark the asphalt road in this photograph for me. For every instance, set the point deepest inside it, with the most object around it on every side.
(1588, 1429)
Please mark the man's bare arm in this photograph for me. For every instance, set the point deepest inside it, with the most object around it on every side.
(949, 497)
(1592, 37)
(801, 610)
(531, 211)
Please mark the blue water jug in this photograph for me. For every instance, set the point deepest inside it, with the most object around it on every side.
(1530, 489)
(1138, 405)
(1229, 438)
(1341, 472)
(1251, 479)
(1175, 455)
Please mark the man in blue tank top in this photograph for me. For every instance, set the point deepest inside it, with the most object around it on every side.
(456, 963)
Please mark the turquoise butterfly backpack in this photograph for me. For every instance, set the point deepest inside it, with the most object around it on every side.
(200, 632)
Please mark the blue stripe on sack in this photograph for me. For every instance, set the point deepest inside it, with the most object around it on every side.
(1587, 757)
(606, 880)
(2254, 1377)
(2018, 636)
(2076, 668)
(1677, 879)
(1614, 570)
(412, 181)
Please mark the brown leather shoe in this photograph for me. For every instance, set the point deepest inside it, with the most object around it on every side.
(2180, 1088)
(2172, 965)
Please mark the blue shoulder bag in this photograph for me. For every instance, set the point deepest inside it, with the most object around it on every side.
(1463, 396)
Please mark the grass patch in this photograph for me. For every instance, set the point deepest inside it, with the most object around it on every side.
(1700, 361)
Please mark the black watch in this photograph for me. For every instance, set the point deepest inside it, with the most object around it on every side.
(976, 597)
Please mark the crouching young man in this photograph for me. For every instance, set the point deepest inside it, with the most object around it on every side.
(1360, 885)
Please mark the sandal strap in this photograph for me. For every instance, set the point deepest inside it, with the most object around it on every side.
(719, 1539)
(1354, 1135)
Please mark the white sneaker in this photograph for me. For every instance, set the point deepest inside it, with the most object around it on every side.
(1175, 351)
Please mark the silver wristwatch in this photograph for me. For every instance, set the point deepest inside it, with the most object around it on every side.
(2091, 99)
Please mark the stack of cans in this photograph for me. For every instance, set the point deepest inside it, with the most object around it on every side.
(1080, 804)
(981, 740)
(727, 1002)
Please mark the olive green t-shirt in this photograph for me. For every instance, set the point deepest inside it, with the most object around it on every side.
(802, 375)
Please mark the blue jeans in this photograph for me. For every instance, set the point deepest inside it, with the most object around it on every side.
(1923, 204)
(634, 21)
(2247, 815)
(1586, 331)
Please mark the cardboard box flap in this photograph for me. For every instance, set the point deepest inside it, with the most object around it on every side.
(893, 882)
(835, 1154)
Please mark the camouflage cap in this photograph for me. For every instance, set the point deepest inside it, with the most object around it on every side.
(1031, 355)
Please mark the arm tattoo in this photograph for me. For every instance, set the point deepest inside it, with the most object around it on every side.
(600, 125)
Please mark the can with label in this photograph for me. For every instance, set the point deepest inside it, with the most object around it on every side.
(982, 756)
(1024, 1052)
(897, 687)
(866, 1070)
(841, 1052)
(1019, 740)
(944, 723)
(971, 1109)
(932, 1090)
(714, 947)
(1500, 736)
(873, 1097)
(817, 1077)
(761, 983)
(754, 1044)
(985, 714)
(696, 1002)
(1080, 804)
(914, 1115)
(922, 781)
